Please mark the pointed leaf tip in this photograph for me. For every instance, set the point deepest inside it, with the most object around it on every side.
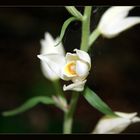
(94, 100)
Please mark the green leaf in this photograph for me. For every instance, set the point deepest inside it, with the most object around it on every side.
(28, 105)
(64, 27)
(72, 10)
(95, 101)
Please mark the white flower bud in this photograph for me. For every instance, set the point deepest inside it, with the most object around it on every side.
(115, 20)
(115, 124)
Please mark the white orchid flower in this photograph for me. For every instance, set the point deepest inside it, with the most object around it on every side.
(115, 125)
(73, 66)
(47, 47)
(115, 21)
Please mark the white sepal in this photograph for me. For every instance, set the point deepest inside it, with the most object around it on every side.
(48, 47)
(55, 62)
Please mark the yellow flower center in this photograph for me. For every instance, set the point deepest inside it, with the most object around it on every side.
(70, 68)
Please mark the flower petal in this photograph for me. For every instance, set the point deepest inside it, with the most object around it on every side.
(83, 56)
(60, 48)
(71, 57)
(47, 72)
(48, 45)
(55, 62)
(136, 119)
(111, 126)
(126, 115)
(114, 12)
(78, 86)
(125, 24)
(82, 68)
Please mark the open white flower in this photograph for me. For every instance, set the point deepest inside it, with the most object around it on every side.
(48, 47)
(115, 20)
(73, 66)
(115, 125)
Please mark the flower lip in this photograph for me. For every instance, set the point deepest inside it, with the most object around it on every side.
(78, 86)
(70, 68)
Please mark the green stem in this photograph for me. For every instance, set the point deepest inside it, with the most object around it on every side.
(86, 28)
(68, 118)
(94, 35)
(72, 10)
